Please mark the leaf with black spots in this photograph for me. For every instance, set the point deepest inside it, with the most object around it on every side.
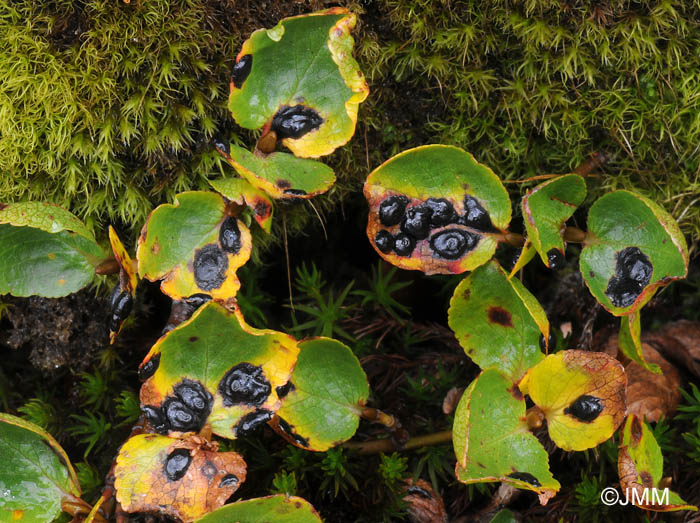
(242, 192)
(278, 509)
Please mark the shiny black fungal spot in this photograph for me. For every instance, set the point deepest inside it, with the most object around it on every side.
(404, 244)
(416, 222)
(180, 416)
(210, 265)
(295, 192)
(384, 241)
(442, 211)
(229, 480)
(287, 429)
(157, 418)
(556, 259)
(552, 342)
(177, 463)
(197, 300)
(295, 121)
(195, 396)
(632, 274)
(149, 368)
(121, 307)
(230, 235)
(114, 297)
(244, 383)
(252, 421)
(585, 408)
(241, 70)
(451, 244)
(391, 210)
(526, 477)
(414, 489)
(475, 216)
(285, 389)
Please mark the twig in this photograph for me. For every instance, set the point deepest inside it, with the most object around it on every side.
(387, 445)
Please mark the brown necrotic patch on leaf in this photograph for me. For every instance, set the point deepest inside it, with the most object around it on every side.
(500, 316)
(244, 384)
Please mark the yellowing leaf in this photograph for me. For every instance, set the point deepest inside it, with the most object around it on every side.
(582, 395)
(243, 192)
(270, 509)
(124, 292)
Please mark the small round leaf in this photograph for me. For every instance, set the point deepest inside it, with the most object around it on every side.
(243, 192)
(277, 509)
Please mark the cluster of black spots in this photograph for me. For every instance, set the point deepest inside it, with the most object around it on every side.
(451, 244)
(632, 274)
(244, 384)
(120, 305)
(295, 121)
(287, 429)
(526, 477)
(585, 408)
(552, 342)
(252, 421)
(149, 368)
(416, 223)
(285, 389)
(241, 70)
(555, 259)
(229, 480)
(210, 266)
(230, 236)
(186, 410)
(177, 463)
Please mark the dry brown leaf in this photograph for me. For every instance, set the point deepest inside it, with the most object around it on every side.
(449, 404)
(679, 340)
(424, 504)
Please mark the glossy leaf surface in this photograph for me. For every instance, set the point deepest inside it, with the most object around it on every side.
(582, 395)
(242, 192)
(498, 322)
(125, 291)
(632, 248)
(640, 466)
(324, 397)
(546, 209)
(232, 368)
(492, 441)
(43, 216)
(35, 473)
(282, 175)
(270, 509)
(183, 244)
(435, 209)
(300, 79)
(182, 478)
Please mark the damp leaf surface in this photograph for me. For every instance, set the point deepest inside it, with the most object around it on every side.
(35, 473)
(582, 395)
(184, 478)
(282, 175)
(323, 400)
(492, 442)
(546, 209)
(498, 322)
(184, 244)
(640, 466)
(43, 216)
(632, 248)
(242, 192)
(630, 341)
(435, 209)
(299, 79)
(277, 509)
(231, 370)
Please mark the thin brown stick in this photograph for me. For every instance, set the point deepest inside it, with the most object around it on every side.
(387, 445)
(286, 256)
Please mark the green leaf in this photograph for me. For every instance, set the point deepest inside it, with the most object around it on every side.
(213, 353)
(492, 441)
(44, 216)
(36, 262)
(243, 192)
(282, 175)
(35, 473)
(456, 231)
(498, 322)
(304, 62)
(640, 466)
(630, 341)
(181, 243)
(546, 208)
(325, 399)
(632, 248)
(270, 509)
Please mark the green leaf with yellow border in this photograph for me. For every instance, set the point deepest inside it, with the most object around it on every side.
(44, 216)
(436, 209)
(242, 192)
(270, 509)
(323, 400)
(492, 441)
(498, 322)
(300, 81)
(215, 369)
(630, 341)
(124, 292)
(546, 209)
(581, 394)
(632, 248)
